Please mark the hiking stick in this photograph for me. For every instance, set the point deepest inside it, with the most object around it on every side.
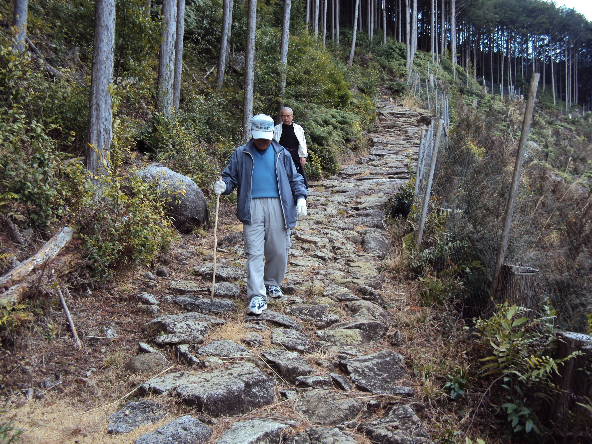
(215, 246)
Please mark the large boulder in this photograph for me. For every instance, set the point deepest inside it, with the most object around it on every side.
(185, 202)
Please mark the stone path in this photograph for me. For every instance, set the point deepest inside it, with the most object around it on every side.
(320, 365)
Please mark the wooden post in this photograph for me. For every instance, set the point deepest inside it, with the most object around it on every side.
(501, 254)
(426, 198)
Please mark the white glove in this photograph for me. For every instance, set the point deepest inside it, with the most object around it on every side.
(219, 186)
(301, 207)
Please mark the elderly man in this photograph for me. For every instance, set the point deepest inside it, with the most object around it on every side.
(271, 197)
(290, 135)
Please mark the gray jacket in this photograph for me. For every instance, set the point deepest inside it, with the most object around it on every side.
(239, 174)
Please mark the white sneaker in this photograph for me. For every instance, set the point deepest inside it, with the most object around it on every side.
(257, 305)
(274, 291)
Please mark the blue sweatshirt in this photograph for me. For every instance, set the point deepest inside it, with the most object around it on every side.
(264, 180)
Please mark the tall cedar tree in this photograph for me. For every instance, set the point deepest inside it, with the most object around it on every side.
(101, 113)
(250, 69)
(166, 69)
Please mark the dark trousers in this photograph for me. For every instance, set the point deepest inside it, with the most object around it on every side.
(299, 167)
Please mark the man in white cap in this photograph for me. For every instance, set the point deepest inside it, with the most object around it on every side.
(271, 198)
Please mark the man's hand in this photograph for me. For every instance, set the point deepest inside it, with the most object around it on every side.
(303, 161)
(301, 207)
(219, 186)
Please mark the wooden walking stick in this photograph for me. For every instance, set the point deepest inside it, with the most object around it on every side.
(215, 246)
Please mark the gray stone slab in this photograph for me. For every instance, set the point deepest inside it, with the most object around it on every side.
(327, 407)
(319, 315)
(290, 339)
(254, 431)
(223, 272)
(206, 305)
(135, 414)
(276, 318)
(371, 330)
(319, 381)
(224, 349)
(183, 430)
(378, 372)
(237, 389)
(341, 336)
(400, 425)
(288, 364)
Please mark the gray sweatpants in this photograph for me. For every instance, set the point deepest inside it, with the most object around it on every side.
(267, 243)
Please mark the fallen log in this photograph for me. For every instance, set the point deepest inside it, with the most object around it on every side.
(48, 252)
(14, 294)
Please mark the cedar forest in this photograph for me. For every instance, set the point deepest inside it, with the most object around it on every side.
(93, 91)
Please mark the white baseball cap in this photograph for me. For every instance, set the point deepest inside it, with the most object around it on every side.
(262, 127)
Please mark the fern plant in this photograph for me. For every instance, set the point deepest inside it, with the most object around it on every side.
(518, 361)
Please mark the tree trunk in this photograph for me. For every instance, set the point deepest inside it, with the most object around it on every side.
(148, 8)
(316, 18)
(167, 57)
(408, 37)
(566, 80)
(101, 113)
(284, 48)
(250, 69)
(179, 53)
(325, 22)
(502, 69)
(383, 22)
(333, 20)
(354, 33)
(21, 12)
(553, 82)
(368, 18)
(226, 31)
(443, 29)
(414, 33)
(371, 13)
(453, 36)
(432, 26)
(307, 13)
(337, 12)
(400, 20)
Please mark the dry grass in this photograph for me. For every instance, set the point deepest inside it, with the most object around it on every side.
(412, 102)
(59, 422)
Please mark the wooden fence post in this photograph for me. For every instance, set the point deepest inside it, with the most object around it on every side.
(501, 254)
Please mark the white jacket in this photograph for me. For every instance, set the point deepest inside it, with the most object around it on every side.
(302, 150)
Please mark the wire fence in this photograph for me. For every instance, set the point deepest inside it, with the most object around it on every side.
(430, 92)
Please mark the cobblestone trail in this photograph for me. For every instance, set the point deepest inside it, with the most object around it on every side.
(324, 364)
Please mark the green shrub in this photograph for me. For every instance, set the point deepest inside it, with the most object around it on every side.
(31, 176)
(314, 75)
(399, 206)
(122, 222)
(516, 358)
(439, 290)
(176, 144)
